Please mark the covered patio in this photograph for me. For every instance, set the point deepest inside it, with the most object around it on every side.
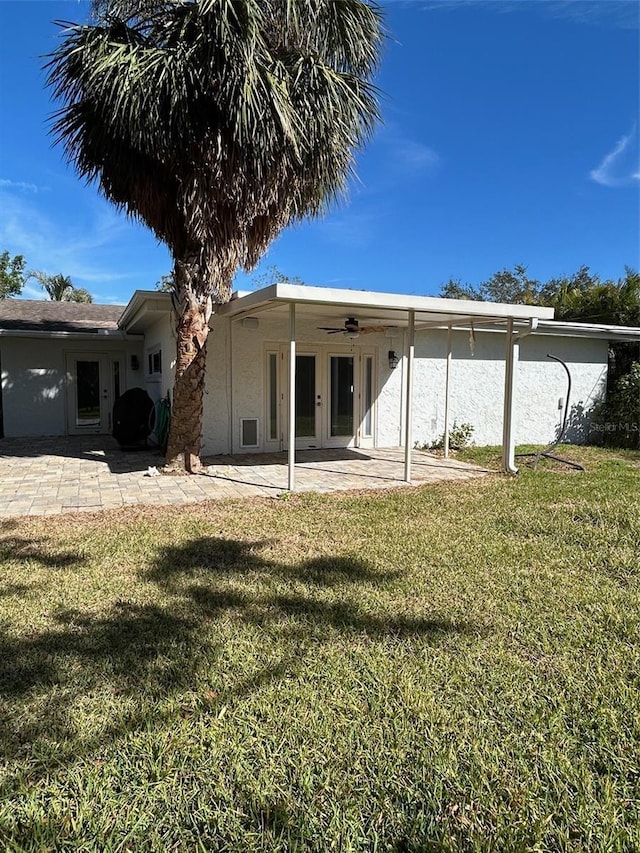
(51, 476)
(404, 315)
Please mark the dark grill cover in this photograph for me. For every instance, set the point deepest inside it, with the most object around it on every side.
(132, 417)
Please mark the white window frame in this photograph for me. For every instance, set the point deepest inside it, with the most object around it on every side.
(153, 376)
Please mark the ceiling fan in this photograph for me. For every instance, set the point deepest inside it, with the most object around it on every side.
(352, 328)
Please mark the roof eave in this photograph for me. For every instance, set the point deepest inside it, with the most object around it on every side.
(363, 300)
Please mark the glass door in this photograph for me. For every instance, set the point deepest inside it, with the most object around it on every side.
(92, 381)
(308, 403)
(341, 395)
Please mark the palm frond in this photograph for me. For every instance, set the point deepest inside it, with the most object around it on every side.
(218, 122)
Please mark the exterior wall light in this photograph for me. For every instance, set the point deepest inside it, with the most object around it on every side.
(393, 359)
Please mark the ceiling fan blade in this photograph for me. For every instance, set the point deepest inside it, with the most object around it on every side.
(329, 329)
(370, 330)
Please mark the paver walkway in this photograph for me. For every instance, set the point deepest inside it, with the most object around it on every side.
(53, 476)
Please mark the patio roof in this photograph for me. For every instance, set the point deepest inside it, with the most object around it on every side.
(389, 308)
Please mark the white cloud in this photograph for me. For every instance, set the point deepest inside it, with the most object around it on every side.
(21, 186)
(621, 14)
(54, 246)
(615, 170)
(404, 156)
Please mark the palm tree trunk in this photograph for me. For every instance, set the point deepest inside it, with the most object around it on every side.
(185, 433)
(183, 446)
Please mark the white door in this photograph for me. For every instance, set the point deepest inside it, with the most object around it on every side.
(93, 383)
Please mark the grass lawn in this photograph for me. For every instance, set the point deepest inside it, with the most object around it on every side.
(452, 668)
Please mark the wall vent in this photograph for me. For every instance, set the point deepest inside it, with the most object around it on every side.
(249, 432)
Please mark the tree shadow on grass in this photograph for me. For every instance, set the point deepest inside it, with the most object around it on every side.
(309, 598)
(148, 654)
(19, 548)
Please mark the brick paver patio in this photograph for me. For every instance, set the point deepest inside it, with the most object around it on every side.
(56, 475)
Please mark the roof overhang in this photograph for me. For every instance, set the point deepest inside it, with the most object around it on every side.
(392, 308)
(558, 328)
(148, 306)
(102, 334)
(144, 309)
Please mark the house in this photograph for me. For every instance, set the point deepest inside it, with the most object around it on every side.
(348, 368)
(62, 365)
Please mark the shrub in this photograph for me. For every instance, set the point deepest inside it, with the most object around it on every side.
(617, 421)
(459, 436)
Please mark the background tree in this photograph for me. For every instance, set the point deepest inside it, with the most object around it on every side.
(60, 288)
(165, 283)
(581, 297)
(217, 123)
(12, 276)
(511, 286)
(272, 275)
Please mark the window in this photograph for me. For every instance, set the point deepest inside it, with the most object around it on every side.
(367, 421)
(154, 363)
(273, 395)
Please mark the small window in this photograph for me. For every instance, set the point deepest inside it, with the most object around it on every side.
(154, 363)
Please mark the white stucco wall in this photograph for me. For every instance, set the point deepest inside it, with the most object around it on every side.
(542, 384)
(241, 391)
(477, 385)
(34, 400)
(477, 382)
(159, 335)
(217, 417)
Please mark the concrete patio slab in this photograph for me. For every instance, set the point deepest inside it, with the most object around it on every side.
(57, 475)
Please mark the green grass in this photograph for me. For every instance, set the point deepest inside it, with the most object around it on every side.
(454, 668)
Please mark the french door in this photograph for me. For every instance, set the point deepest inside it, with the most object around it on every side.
(334, 398)
(341, 397)
(93, 384)
(308, 401)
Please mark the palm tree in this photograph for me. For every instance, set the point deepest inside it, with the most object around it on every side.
(216, 123)
(60, 288)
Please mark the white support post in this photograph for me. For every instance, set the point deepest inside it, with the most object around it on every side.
(409, 396)
(292, 397)
(512, 347)
(447, 388)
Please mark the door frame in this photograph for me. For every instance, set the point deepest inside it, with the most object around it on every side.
(106, 376)
(323, 354)
(305, 442)
(340, 440)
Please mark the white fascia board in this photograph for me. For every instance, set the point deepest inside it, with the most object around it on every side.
(589, 330)
(367, 299)
(101, 334)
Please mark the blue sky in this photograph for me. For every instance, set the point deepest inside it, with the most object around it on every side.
(510, 136)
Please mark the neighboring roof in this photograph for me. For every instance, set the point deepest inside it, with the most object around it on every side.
(40, 315)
